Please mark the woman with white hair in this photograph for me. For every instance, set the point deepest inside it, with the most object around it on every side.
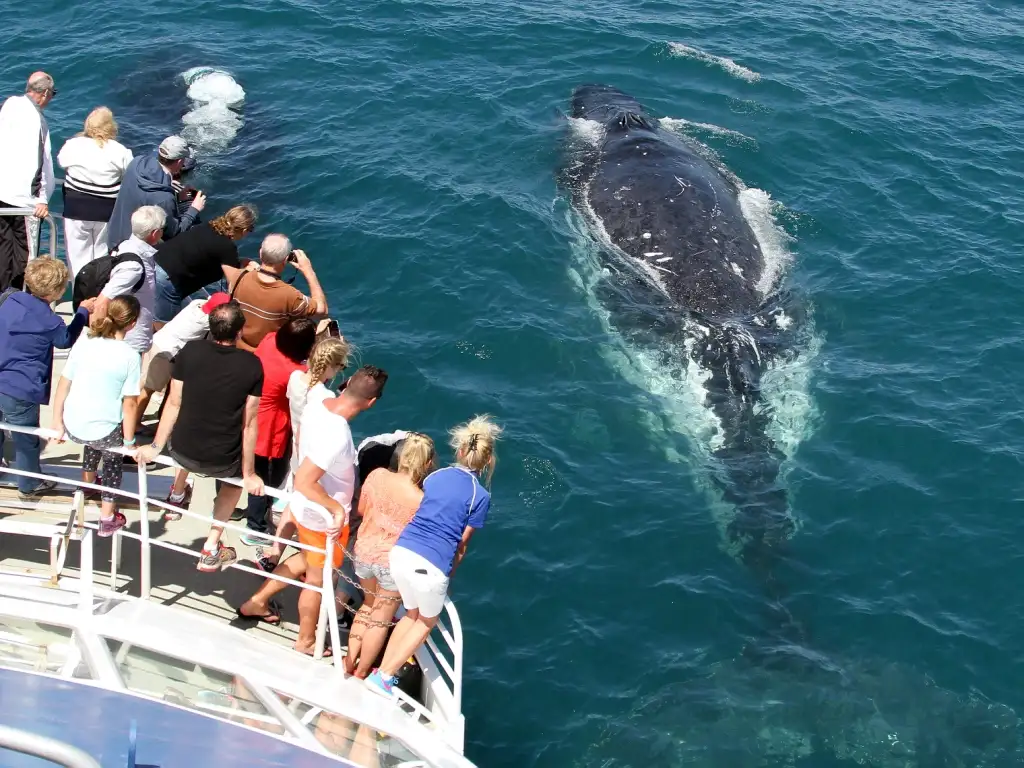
(94, 164)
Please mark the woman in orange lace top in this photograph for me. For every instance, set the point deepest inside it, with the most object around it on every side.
(387, 502)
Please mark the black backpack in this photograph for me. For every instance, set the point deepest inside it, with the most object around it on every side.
(94, 276)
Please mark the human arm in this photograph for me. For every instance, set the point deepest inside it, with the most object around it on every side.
(46, 178)
(65, 336)
(57, 420)
(307, 482)
(147, 453)
(130, 391)
(460, 553)
(175, 225)
(317, 298)
(253, 482)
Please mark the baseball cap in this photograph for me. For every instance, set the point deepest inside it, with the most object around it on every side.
(215, 301)
(174, 148)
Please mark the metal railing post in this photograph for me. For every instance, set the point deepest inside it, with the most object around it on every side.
(144, 554)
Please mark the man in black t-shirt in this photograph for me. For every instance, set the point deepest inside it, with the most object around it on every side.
(210, 418)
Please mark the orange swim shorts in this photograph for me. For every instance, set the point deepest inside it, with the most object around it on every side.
(318, 539)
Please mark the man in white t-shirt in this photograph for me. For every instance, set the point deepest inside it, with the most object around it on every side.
(326, 480)
(192, 323)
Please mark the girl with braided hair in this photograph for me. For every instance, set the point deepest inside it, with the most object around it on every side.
(430, 548)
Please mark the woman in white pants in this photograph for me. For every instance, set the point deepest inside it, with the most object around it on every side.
(94, 163)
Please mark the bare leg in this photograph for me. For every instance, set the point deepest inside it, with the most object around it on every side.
(144, 397)
(309, 610)
(285, 530)
(382, 613)
(223, 506)
(403, 646)
(259, 603)
(178, 489)
(364, 748)
(360, 624)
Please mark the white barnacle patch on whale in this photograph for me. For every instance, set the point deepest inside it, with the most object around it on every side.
(646, 235)
(653, 253)
(663, 259)
(736, 268)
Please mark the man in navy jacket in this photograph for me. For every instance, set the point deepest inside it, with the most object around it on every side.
(148, 181)
(29, 331)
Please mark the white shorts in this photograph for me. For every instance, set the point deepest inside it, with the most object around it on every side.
(421, 584)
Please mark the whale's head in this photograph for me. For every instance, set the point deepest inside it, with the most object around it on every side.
(608, 106)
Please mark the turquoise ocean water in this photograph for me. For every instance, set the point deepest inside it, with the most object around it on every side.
(411, 149)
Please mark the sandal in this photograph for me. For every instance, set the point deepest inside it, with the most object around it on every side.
(271, 617)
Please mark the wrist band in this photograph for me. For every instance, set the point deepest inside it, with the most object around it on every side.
(130, 442)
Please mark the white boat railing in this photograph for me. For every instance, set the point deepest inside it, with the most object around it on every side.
(50, 219)
(434, 654)
(45, 748)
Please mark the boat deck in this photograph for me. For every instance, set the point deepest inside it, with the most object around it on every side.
(174, 578)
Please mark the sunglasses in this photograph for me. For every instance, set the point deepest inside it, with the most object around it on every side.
(53, 92)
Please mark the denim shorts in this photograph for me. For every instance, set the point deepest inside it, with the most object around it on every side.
(379, 572)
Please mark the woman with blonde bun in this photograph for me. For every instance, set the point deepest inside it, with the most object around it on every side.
(455, 504)
(97, 401)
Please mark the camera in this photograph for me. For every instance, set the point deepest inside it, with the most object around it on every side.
(292, 259)
(188, 194)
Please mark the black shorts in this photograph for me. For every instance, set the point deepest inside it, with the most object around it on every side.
(219, 470)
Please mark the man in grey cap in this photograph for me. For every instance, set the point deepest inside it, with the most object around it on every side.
(26, 174)
(149, 181)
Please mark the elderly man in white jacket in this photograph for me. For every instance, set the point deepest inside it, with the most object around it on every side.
(26, 174)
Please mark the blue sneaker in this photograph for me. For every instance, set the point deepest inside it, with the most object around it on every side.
(380, 684)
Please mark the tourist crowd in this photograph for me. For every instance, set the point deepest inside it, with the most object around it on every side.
(245, 362)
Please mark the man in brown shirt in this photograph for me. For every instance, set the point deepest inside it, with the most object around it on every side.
(266, 300)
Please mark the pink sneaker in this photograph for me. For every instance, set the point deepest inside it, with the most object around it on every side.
(109, 527)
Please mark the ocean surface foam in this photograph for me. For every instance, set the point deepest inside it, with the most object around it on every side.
(213, 122)
(722, 62)
(686, 129)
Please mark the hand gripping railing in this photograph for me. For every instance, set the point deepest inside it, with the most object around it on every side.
(50, 219)
(44, 747)
(328, 618)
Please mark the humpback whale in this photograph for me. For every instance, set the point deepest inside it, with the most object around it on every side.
(672, 227)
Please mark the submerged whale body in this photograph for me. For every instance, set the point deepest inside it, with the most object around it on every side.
(672, 226)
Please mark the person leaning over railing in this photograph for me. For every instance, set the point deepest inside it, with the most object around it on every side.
(26, 174)
(423, 560)
(148, 181)
(94, 163)
(201, 258)
(210, 420)
(387, 502)
(96, 402)
(29, 330)
(327, 477)
(281, 353)
(267, 300)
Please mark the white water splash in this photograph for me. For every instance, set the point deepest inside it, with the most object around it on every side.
(589, 131)
(213, 122)
(722, 62)
(686, 129)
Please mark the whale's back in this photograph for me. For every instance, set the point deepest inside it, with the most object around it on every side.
(668, 208)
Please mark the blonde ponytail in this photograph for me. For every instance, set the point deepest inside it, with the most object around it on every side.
(328, 353)
(121, 313)
(473, 443)
(417, 457)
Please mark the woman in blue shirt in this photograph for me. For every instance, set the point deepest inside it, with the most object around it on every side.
(432, 545)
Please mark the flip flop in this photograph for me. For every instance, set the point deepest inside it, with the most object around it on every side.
(271, 617)
(328, 653)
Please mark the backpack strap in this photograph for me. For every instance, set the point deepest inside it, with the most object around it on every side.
(238, 282)
(126, 256)
(6, 295)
